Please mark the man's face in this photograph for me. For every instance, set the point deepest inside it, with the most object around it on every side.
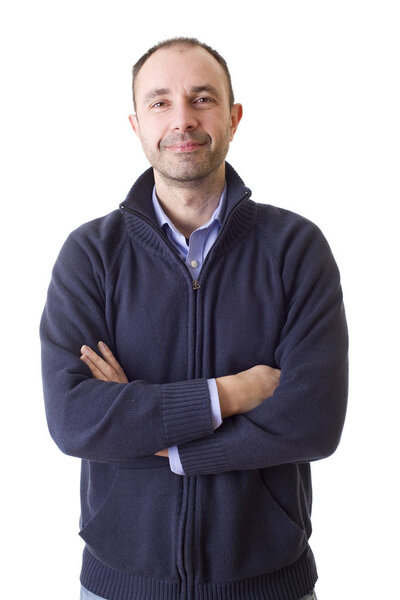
(183, 118)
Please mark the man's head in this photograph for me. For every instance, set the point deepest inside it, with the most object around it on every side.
(185, 112)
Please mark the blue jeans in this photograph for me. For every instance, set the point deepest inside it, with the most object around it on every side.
(86, 595)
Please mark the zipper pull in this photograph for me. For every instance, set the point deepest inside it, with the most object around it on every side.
(195, 284)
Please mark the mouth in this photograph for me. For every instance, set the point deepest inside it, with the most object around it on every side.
(184, 147)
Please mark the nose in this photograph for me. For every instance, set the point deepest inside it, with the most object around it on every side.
(184, 118)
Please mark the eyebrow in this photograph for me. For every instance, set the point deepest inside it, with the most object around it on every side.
(155, 93)
(195, 89)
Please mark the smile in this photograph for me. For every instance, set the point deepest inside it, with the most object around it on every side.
(185, 147)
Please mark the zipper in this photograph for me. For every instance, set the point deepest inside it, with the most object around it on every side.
(181, 535)
(183, 569)
(224, 226)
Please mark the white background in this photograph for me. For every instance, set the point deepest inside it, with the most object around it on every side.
(319, 82)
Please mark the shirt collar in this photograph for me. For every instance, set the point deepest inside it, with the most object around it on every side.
(162, 218)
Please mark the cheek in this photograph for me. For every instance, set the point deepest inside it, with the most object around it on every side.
(150, 138)
(222, 126)
(224, 131)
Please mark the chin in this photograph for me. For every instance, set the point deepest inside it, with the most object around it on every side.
(185, 173)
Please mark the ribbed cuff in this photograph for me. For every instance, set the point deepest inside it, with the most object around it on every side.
(186, 411)
(205, 456)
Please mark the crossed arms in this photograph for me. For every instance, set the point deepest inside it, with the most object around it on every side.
(102, 417)
(237, 393)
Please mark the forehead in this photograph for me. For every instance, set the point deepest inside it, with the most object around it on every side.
(172, 68)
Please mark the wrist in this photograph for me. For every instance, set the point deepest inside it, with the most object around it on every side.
(228, 395)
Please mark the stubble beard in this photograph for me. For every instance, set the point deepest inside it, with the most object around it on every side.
(185, 168)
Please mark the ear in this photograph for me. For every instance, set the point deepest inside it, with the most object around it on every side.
(135, 123)
(236, 115)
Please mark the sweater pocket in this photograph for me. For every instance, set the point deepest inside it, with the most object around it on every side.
(134, 529)
(241, 530)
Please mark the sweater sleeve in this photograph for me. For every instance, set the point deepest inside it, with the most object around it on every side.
(173, 453)
(303, 420)
(93, 419)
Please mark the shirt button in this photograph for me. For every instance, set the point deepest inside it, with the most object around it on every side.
(194, 263)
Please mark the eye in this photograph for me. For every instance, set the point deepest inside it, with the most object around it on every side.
(204, 100)
(158, 104)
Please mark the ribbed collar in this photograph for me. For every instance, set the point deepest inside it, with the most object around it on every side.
(138, 209)
(139, 197)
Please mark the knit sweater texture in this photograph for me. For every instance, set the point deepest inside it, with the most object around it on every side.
(237, 525)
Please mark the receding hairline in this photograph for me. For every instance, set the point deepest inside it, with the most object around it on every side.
(181, 47)
(182, 44)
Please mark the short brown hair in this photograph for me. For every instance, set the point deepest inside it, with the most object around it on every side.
(182, 41)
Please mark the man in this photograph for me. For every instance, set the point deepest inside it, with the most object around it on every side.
(195, 358)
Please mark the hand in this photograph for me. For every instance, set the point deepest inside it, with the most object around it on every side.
(106, 368)
(260, 382)
(244, 391)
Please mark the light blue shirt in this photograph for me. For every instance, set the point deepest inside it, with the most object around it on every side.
(194, 253)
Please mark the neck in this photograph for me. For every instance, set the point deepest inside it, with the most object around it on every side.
(190, 204)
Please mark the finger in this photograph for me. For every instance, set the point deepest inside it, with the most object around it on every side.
(112, 361)
(109, 356)
(97, 374)
(99, 363)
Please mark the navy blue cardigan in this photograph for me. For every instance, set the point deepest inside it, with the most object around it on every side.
(236, 526)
